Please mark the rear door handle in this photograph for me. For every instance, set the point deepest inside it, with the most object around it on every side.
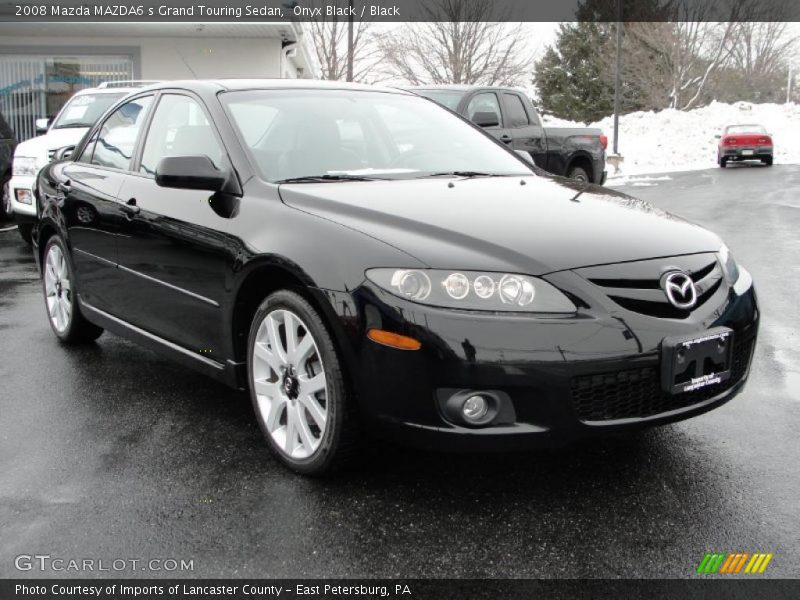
(130, 208)
(506, 139)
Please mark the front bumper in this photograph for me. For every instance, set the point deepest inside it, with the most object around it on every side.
(22, 212)
(558, 372)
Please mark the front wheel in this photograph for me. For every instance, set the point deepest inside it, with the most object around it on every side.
(26, 232)
(61, 299)
(298, 388)
(5, 207)
(578, 173)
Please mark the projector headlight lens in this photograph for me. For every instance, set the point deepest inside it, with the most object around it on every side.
(473, 290)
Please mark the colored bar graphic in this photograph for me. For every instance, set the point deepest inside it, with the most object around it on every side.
(733, 562)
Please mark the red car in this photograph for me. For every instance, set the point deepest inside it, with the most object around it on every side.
(744, 142)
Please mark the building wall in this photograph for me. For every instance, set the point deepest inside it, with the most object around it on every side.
(179, 57)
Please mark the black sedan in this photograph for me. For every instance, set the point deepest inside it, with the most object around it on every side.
(367, 262)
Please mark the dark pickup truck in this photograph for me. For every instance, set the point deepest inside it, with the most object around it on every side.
(579, 153)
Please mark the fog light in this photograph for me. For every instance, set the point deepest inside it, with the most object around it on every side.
(475, 408)
(24, 196)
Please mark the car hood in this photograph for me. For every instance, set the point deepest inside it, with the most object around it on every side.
(501, 223)
(40, 146)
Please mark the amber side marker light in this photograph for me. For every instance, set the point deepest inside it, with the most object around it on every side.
(395, 340)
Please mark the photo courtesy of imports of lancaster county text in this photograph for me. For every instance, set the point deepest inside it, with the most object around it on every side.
(425, 299)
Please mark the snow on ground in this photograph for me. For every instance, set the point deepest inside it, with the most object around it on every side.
(673, 140)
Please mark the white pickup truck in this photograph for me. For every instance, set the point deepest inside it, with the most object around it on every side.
(66, 129)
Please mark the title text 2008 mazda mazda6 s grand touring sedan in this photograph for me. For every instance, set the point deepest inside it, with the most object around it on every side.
(365, 261)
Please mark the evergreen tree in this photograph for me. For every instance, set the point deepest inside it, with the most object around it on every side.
(572, 78)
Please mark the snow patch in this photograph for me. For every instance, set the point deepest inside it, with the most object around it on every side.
(673, 140)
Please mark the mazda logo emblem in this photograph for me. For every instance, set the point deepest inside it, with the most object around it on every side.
(680, 290)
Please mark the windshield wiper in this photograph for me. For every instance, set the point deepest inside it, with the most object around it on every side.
(463, 174)
(327, 177)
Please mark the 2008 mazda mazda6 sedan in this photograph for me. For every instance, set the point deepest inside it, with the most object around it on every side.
(366, 262)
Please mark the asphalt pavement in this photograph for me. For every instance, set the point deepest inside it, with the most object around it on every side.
(109, 452)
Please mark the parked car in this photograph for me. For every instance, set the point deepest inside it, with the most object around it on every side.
(507, 114)
(7, 145)
(65, 131)
(364, 261)
(744, 142)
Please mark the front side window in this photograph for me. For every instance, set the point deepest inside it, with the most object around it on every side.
(371, 134)
(179, 128)
(116, 139)
(517, 117)
(84, 110)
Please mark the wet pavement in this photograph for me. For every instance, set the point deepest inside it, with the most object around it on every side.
(109, 452)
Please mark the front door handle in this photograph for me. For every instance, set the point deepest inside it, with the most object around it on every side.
(130, 208)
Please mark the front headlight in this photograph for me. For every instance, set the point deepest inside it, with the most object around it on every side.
(473, 290)
(24, 166)
(729, 267)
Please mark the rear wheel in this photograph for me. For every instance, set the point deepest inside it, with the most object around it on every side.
(767, 161)
(578, 173)
(60, 297)
(297, 386)
(723, 162)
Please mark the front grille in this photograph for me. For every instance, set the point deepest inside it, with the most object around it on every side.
(637, 393)
(639, 289)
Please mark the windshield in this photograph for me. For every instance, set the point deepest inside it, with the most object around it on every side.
(346, 134)
(84, 110)
(448, 98)
(740, 129)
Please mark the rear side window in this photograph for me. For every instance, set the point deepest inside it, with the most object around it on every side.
(517, 117)
(179, 128)
(116, 139)
(483, 102)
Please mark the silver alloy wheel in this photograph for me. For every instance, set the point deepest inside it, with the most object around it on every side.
(57, 289)
(289, 384)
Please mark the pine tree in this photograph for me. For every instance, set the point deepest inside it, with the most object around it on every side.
(572, 78)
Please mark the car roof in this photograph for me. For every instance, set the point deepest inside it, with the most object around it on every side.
(743, 125)
(459, 87)
(224, 85)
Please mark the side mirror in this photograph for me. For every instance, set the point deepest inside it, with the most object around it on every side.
(525, 155)
(486, 119)
(64, 152)
(190, 173)
(42, 125)
(718, 136)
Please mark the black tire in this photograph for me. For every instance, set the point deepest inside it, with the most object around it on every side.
(26, 232)
(723, 162)
(341, 437)
(78, 330)
(767, 161)
(578, 173)
(5, 202)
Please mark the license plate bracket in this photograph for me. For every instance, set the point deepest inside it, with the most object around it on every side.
(696, 361)
(748, 152)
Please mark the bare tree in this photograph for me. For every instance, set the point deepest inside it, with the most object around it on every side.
(462, 41)
(330, 41)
